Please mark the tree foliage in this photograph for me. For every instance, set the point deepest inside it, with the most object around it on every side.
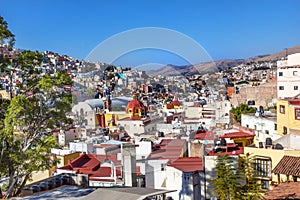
(241, 109)
(6, 37)
(236, 182)
(27, 121)
(249, 187)
(224, 185)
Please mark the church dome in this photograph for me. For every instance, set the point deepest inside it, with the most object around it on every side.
(136, 108)
(175, 103)
(135, 104)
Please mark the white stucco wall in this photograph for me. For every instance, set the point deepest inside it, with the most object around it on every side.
(261, 125)
(293, 59)
(154, 176)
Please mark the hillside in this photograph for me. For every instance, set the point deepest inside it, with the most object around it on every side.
(220, 64)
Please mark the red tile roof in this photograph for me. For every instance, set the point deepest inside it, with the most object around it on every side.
(204, 135)
(287, 190)
(170, 149)
(236, 134)
(190, 164)
(105, 172)
(289, 165)
(294, 101)
(85, 163)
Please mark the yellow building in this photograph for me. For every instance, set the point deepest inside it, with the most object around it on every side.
(266, 160)
(288, 116)
(62, 161)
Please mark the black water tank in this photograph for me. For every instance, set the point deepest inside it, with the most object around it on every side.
(223, 142)
(161, 134)
(216, 142)
(268, 141)
(278, 146)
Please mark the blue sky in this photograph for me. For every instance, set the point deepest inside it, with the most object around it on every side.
(228, 29)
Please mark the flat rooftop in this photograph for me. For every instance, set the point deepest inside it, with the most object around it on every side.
(62, 193)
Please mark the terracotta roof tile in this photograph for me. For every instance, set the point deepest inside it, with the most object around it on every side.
(190, 164)
(287, 190)
(289, 165)
(294, 101)
(204, 135)
(237, 134)
(169, 149)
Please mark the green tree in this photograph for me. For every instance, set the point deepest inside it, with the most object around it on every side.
(28, 119)
(236, 182)
(224, 184)
(249, 188)
(241, 109)
(7, 39)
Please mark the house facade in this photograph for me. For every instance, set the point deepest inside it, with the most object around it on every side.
(288, 77)
(288, 115)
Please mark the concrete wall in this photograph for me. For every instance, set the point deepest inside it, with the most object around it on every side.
(293, 59)
(223, 112)
(38, 176)
(155, 176)
(264, 95)
(82, 147)
(289, 79)
(193, 112)
(137, 126)
(143, 149)
(187, 184)
(261, 125)
(289, 141)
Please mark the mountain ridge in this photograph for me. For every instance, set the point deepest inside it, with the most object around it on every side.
(221, 64)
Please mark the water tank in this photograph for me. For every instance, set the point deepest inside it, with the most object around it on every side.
(223, 142)
(216, 142)
(268, 142)
(278, 146)
(161, 134)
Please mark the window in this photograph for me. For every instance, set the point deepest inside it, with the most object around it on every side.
(284, 130)
(267, 132)
(280, 73)
(295, 73)
(265, 184)
(281, 87)
(297, 113)
(163, 166)
(282, 109)
(295, 87)
(263, 167)
(275, 127)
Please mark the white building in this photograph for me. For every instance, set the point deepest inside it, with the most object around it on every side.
(186, 176)
(80, 146)
(137, 126)
(288, 76)
(265, 126)
(64, 137)
(223, 112)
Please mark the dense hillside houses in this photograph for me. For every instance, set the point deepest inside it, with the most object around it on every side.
(164, 133)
